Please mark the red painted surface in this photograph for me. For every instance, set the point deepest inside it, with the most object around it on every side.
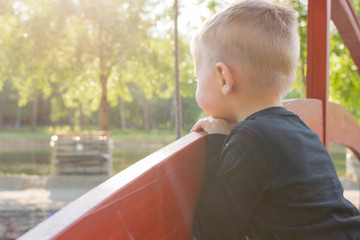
(318, 51)
(343, 128)
(310, 111)
(153, 199)
(347, 23)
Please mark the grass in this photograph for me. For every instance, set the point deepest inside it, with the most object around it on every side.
(151, 136)
(131, 146)
(24, 133)
(44, 133)
(338, 155)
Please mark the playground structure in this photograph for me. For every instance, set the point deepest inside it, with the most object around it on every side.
(155, 198)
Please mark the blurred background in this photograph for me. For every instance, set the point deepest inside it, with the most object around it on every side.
(110, 65)
(89, 65)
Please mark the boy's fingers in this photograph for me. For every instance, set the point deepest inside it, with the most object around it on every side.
(196, 127)
(212, 125)
(199, 126)
(193, 129)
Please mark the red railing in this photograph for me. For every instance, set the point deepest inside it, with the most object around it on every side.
(152, 199)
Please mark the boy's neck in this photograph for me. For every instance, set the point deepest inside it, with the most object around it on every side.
(256, 104)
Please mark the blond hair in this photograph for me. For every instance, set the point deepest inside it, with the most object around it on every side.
(260, 36)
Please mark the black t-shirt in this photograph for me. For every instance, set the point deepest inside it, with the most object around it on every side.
(272, 178)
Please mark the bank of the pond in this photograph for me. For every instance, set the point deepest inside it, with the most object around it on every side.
(23, 152)
(123, 136)
(25, 201)
(134, 141)
(32, 156)
(38, 161)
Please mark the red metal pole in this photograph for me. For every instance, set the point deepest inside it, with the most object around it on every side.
(318, 52)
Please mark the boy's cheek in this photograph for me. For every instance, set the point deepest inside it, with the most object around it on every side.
(200, 100)
(204, 103)
(197, 97)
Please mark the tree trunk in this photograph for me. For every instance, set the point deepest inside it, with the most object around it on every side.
(81, 117)
(34, 112)
(178, 119)
(18, 118)
(1, 111)
(104, 106)
(53, 113)
(122, 114)
(146, 115)
(70, 119)
(173, 112)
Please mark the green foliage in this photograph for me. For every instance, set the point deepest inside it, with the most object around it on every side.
(344, 84)
(213, 6)
(58, 50)
(6, 29)
(344, 77)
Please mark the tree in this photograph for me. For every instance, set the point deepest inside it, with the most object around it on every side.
(344, 77)
(113, 28)
(178, 121)
(33, 38)
(8, 22)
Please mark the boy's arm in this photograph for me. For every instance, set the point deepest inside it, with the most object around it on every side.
(214, 144)
(231, 195)
(217, 130)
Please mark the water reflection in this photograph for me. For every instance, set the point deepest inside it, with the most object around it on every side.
(38, 161)
(30, 161)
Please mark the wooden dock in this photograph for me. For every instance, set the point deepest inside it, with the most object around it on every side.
(85, 153)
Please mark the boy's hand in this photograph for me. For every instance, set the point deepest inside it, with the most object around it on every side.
(212, 125)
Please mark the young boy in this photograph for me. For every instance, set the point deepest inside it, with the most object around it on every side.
(269, 176)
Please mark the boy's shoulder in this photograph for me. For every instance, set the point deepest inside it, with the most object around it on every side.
(275, 129)
(270, 121)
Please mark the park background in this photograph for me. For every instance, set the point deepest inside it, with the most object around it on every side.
(91, 65)
(88, 65)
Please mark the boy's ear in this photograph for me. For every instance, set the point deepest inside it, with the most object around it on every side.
(225, 77)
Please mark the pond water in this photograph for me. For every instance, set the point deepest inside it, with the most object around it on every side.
(30, 161)
(38, 161)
